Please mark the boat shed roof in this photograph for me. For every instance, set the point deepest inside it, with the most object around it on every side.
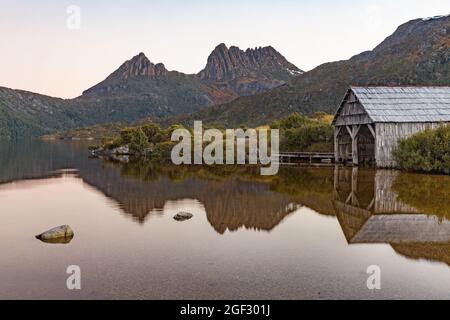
(403, 104)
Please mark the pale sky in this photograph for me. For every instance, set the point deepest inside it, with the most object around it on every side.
(40, 53)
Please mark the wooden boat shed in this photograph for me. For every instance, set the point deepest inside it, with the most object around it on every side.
(371, 120)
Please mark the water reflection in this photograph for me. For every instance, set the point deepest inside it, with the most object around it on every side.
(408, 211)
(65, 240)
(233, 197)
(370, 210)
(250, 236)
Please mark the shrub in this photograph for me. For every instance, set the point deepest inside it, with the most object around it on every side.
(127, 134)
(139, 142)
(163, 150)
(167, 134)
(425, 151)
(109, 143)
(299, 139)
(93, 147)
(294, 120)
(153, 133)
(300, 133)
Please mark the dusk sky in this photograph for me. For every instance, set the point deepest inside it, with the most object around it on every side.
(40, 53)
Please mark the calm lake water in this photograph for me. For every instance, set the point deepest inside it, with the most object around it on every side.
(307, 233)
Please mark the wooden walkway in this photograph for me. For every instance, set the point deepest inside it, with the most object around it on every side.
(310, 157)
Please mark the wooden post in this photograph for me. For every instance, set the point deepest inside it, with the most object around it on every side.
(355, 150)
(350, 132)
(372, 131)
(336, 178)
(337, 155)
(354, 135)
(354, 185)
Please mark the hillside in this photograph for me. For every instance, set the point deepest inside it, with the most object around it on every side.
(418, 52)
(24, 114)
(141, 89)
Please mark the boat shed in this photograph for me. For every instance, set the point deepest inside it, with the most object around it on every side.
(371, 120)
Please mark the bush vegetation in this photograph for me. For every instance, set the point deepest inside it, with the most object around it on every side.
(147, 140)
(427, 151)
(301, 133)
(297, 133)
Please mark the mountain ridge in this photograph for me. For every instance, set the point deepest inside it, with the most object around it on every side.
(235, 87)
(140, 89)
(417, 53)
(234, 71)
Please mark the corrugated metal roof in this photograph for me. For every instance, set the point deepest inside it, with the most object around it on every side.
(405, 104)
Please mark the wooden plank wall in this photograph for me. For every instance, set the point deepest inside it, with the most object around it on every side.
(352, 112)
(388, 135)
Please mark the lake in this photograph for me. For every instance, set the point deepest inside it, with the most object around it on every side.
(306, 233)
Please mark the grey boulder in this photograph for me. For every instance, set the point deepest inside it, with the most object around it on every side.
(61, 234)
(183, 216)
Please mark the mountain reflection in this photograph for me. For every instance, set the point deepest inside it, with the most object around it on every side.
(410, 212)
(230, 197)
(229, 203)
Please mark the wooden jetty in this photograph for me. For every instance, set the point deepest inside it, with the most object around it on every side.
(306, 157)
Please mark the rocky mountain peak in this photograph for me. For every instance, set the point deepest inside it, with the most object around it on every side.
(221, 47)
(232, 63)
(229, 73)
(140, 65)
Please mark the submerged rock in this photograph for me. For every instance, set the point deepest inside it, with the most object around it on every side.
(183, 216)
(62, 234)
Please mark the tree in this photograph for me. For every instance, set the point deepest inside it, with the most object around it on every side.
(139, 143)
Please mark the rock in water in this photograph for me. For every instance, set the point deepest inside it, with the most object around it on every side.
(122, 150)
(183, 216)
(62, 234)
